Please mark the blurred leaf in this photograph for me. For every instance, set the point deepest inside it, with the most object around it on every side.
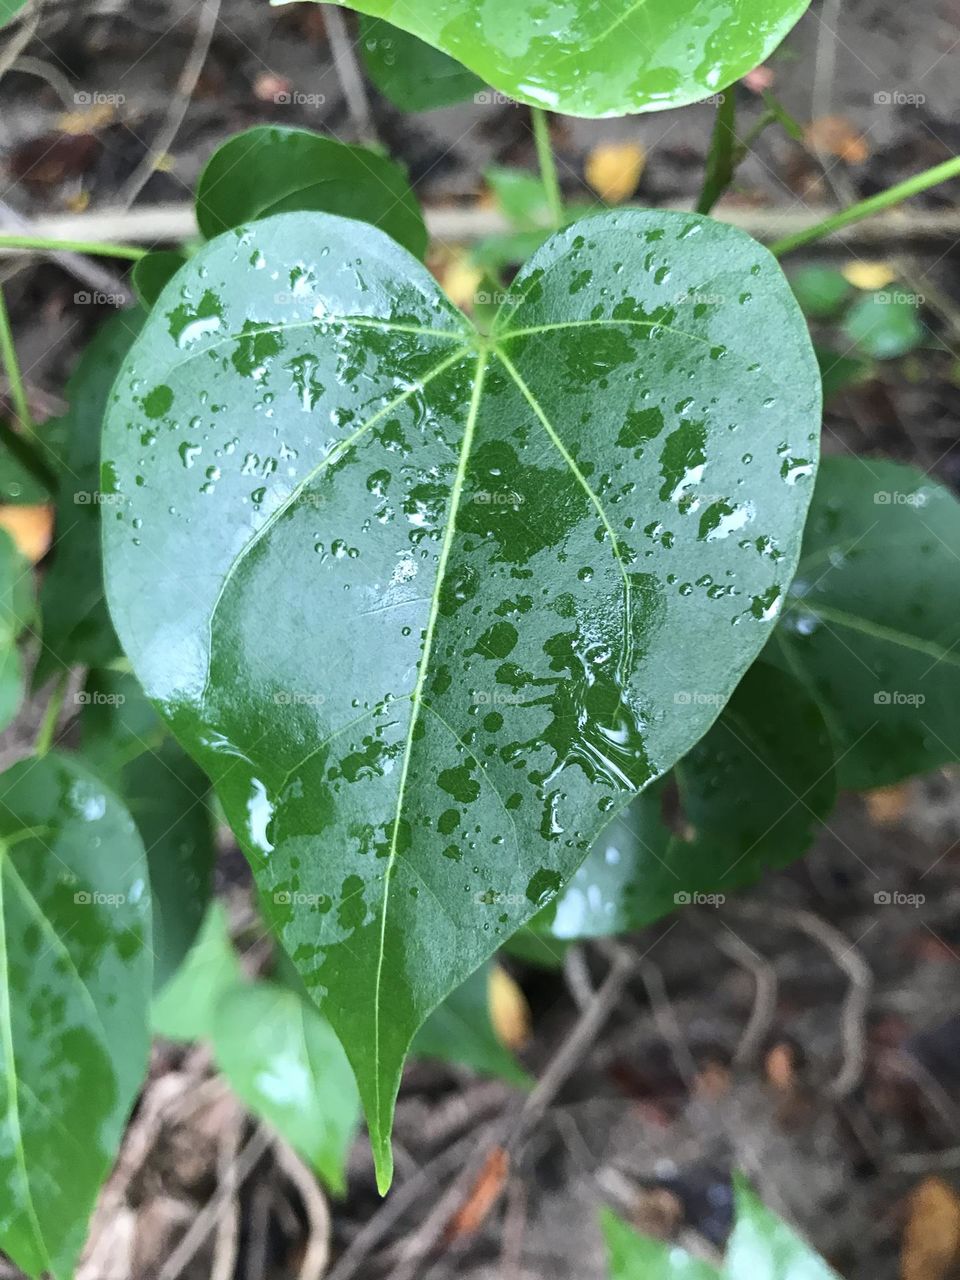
(16, 613)
(763, 1247)
(931, 1238)
(167, 794)
(779, 112)
(868, 275)
(460, 1031)
(9, 10)
(520, 197)
(152, 273)
(614, 169)
(18, 485)
(286, 1064)
(821, 291)
(721, 157)
(839, 372)
(268, 169)
(885, 324)
(481, 1198)
(632, 1256)
(870, 624)
(413, 75)
(837, 136)
(509, 1011)
(30, 527)
(75, 622)
(184, 1008)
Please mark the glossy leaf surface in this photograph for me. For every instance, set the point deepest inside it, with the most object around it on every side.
(586, 59)
(763, 1247)
(75, 623)
(871, 625)
(632, 1256)
(460, 1031)
(286, 1064)
(269, 169)
(74, 988)
(751, 793)
(130, 747)
(436, 593)
(413, 75)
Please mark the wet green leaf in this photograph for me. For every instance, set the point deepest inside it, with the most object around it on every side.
(632, 1256)
(870, 625)
(413, 75)
(885, 324)
(821, 291)
(153, 273)
(16, 613)
(763, 1247)
(76, 627)
(183, 1009)
(167, 794)
(269, 169)
(286, 1064)
(585, 59)
(420, 600)
(752, 793)
(74, 989)
(460, 1031)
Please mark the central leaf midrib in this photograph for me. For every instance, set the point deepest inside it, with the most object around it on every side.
(416, 702)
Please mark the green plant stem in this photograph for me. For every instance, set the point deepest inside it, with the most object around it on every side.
(50, 717)
(864, 208)
(11, 367)
(95, 247)
(722, 157)
(548, 167)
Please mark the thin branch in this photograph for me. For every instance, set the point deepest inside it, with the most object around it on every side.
(349, 73)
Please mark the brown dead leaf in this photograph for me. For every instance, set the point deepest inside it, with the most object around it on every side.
(31, 528)
(53, 158)
(931, 1238)
(837, 136)
(509, 1011)
(484, 1194)
(886, 805)
(613, 169)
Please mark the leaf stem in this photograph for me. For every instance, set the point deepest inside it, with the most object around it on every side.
(548, 167)
(864, 208)
(722, 157)
(11, 367)
(97, 248)
(50, 717)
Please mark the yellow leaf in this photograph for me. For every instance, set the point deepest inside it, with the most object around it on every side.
(31, 528)
(868, 275)
(613, 169)
(460, 281)
(931, 1238)
(79, 202)
(886, 805)
(78, 122)
(509, 1011)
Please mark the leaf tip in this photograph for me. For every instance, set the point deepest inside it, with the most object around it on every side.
(383, 1163)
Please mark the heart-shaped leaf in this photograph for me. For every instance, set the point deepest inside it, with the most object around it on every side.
(751, 794)
(871, 626)
(413, 75)
(268, 170)
(589, 59)
(74, 992)
(76, 625)
(436, 592)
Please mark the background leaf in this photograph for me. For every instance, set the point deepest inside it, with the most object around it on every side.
(870, 626)
(74, 988)
(471, 499)
(413, 75)
(268, 170)
(153, 273)
(763, 1247)
(633, 1256)
(460, 1031)
(586, 59)
(75, 623)
(184, 1008)
(885, 324)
